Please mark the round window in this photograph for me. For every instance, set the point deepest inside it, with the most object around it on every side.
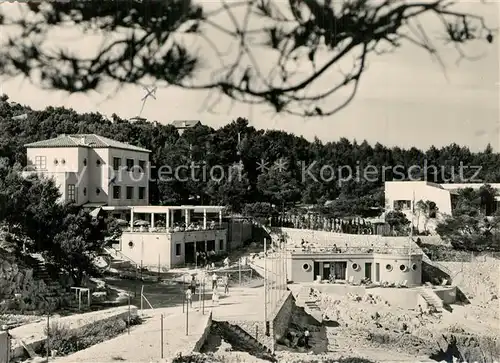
(131, 244)
(355, 266)
(388, 267)
(306, 267)
(98, 162)
(63, 161)
(56, 162)
(97, 191)
(402, 267)
(84, 162)
(414, 267)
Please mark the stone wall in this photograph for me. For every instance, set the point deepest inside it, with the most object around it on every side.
(256, 329)
(478, 280)
(277, 326)
(282, 319)
(206, 332)
(4, 347)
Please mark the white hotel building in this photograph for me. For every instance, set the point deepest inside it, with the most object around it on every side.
(93, 171)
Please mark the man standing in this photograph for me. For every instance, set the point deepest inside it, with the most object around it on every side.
(306, 338)
(214, 281)
(192, 285)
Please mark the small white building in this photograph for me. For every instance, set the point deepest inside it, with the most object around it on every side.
(400, 195)
(171, 236)
(92, 170)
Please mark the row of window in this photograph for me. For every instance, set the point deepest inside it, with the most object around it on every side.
(178, 247)
(357, 267)
(41, 163)
(129, 192)
(130, 164)
(72, 197)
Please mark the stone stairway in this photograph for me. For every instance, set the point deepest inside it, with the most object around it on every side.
(431, 298)
(243, 341)
(309, 303)
(118, 261)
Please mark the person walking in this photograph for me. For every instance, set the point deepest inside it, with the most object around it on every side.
(189, 297)
(192, 285)
(226, 285)
(214, 281)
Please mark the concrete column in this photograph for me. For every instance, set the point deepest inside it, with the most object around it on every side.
(220, 218)
(131, 219)
(186, 217)
(152, 220)
(167, 219)
(204, 219)
(172, 217)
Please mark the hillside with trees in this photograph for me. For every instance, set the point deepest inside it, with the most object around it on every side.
(314, 172)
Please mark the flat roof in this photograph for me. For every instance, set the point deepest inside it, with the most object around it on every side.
(167, 208)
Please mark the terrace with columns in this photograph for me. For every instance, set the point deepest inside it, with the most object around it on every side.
(170, 236)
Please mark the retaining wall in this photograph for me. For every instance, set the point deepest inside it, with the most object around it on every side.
(203, 338)
(277, 326)
(33, 335)
(4, 347)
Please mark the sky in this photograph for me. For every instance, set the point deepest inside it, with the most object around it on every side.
(404, 99)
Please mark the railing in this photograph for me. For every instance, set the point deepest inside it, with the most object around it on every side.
(171, 230)
(354, 250)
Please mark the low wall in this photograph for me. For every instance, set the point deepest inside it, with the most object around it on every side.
(203, 338)
(282, 319)
(4, 347)
(33, 335)
(277, 326)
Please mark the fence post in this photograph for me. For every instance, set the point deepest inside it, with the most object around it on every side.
(48, 336)
(128, 325)
(161, 336)
(142, 305)
(187, 317)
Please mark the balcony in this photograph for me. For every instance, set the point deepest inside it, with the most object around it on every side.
(191, 229)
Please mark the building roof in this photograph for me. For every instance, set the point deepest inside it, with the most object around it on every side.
(184, 124)
(85, 140)
(166, 208)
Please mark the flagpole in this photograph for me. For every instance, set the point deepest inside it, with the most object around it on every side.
(411, 228)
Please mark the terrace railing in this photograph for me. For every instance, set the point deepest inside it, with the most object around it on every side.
(355, 250)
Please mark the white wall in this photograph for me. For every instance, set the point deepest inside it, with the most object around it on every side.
(147, 247)
(126, 179)
(420, 190)
(67, 166)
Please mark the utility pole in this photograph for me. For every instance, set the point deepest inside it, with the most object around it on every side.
(203, 300)
(48, 336)
(239, 270)
(265, 280)
(183, 292)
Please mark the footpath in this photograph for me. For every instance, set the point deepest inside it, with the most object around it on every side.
(143, 344)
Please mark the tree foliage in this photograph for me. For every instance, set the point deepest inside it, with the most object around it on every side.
(475, 224)
(205, 148)
(305, 45)
(65, 235)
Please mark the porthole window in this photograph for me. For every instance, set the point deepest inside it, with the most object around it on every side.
(63, 161)
(56, 162)
(306, 267)
(84, 191)
(414, 267)
(388, 267)
(355, 266)
(98, 162)
(84, 162)
(402, 267)
(131, 244)
(97, 191)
